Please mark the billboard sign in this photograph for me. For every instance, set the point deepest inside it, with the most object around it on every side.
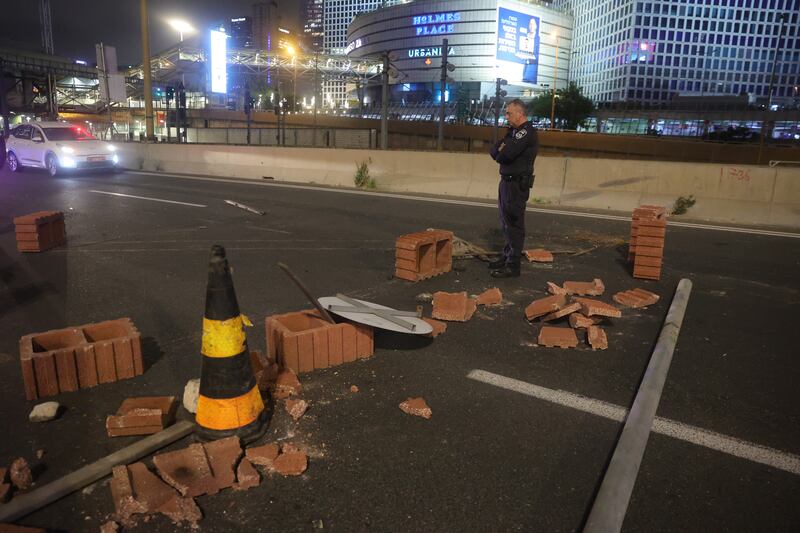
(517, 53)
(219, 62)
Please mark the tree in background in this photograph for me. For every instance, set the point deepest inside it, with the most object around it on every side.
(572, 107)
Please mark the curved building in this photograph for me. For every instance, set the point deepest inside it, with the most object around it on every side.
(526, 43)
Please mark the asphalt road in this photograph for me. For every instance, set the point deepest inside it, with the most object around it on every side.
(490, 459)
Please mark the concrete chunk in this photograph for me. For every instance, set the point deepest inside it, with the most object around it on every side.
(296, 408)
(190, 394)
(20, 474)
(44, 412)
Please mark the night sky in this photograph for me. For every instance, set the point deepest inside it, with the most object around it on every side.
(79, 24)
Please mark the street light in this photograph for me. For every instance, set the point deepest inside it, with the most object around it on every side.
(181, 26)
(555, 84)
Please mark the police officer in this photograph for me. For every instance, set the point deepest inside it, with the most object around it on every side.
(516, 153)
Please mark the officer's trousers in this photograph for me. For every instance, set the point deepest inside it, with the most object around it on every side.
(511, 202)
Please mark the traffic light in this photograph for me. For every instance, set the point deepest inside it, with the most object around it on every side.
(499, 91)
(170, 92)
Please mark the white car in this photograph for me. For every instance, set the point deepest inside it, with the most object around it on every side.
(56, 146)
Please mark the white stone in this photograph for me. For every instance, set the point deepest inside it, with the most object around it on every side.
(44, 412)
(190, 394)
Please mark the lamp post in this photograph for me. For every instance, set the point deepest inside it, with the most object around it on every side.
(293, 53)
(181, 26)
(555, 84)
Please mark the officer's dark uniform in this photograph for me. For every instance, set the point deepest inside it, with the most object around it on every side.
(516, 153)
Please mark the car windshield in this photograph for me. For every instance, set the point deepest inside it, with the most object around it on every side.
(68, 134)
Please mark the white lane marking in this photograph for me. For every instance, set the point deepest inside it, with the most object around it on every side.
(785, 461)
(468, 203)
(146, 198)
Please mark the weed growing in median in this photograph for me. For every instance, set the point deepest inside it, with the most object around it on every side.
(362, 179)
(682, 204)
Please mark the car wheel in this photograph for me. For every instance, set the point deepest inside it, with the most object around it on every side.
(13, 162)
(52, 164)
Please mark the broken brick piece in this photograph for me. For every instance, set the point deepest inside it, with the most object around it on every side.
(187, 470)
(181, 510)
(564, 311)
(552, 288)
(597, 338)
(109, 527)
(591, 307)
(125, 503)
(551, 336)
(592, 288)
(539, 255)
(20, 474)
(296, 408)
(545, 306)
(438, 326)
(288, 383)
(223, 454)
(263, 455)
(416, 407)
(581, 321)
(455, 306)
(636, 298)
(354, 388)
(291, 464)
(149, 414)
(491, 296)
(148, 489)
(247, 476)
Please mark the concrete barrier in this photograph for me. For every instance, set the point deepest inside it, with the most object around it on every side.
(740, 194)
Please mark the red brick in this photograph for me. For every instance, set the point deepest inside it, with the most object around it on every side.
(291, 354)
(305, 350)
(406, 264)
(591, 307)
(291, 463)
(648, 261)
(134, 431)
(564, 311)
(438, 327)
(349, 348)
(416, 407)
(187, 470)
(141, 416)
(649, 251)
(636, 298)
(410, 255)
(406, 275)
(87, 367)
(557, 337)
(646, 294)
(647, 272)
(545, 306)
(552, 288)
(296, 408)
(364, 341)
(287, 382)
(148, 489)
(655, 242)
(491, 296)
(652, 231)
(581, 321)
(44, 367)
(597, 338)
(122, 493)
(181, 510)
(104, 357)
(335, 345)
(247, 476)
(123, 358)
(455, 307)
(591, 288)
(29, 377)
(320, 337)
(263, 455)
(539, 255)
(652, 223)
(223, 455)
(272, 340)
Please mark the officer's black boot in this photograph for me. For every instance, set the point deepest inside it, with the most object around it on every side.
(506, 271)
(497, 263)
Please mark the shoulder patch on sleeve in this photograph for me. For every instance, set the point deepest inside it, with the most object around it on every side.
(520, 134)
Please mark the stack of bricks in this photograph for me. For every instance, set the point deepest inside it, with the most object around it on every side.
(646, 250)
(40, 231)
(424, 254)
(304, 341)
(80, 357)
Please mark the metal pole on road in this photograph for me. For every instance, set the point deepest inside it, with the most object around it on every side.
(611, 503)
(148, 86)
(385, 104)
(442, 100)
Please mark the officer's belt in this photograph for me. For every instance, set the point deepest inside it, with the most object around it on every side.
(515, 177)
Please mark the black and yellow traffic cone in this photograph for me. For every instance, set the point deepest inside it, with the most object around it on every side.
(229, 402)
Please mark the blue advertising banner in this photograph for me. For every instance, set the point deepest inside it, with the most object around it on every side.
(518, 45)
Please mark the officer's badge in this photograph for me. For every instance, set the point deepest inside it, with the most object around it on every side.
(520, 134)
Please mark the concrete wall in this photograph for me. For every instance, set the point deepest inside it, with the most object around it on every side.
(739, 194)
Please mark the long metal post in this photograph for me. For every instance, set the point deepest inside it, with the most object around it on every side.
(442, 103)
(385, 103)
(108, 93)
(764, 121)
(611, 504)
(496, 109)
(148, 86)
(4, 113)
(555, 84)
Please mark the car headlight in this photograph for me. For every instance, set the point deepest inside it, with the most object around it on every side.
(68, 162)
(111, 148)
(68, 149)
(115, 159)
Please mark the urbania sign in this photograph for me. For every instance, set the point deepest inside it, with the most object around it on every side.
(435, 51)
(436, 23)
